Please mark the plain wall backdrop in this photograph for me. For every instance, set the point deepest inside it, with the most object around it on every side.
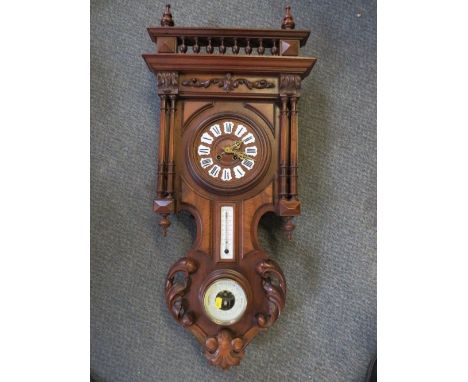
(327, 331)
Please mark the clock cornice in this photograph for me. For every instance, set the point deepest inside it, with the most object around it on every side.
(204, 63)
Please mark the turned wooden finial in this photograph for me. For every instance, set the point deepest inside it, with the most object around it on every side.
(164, 224)
(166, 20)
(288, 21)
(288, 226)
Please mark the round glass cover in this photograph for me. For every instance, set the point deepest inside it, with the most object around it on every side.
(225, 301)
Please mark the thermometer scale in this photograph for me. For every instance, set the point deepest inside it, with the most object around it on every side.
(227, 233)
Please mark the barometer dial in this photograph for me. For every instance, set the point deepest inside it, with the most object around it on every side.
(225, 301)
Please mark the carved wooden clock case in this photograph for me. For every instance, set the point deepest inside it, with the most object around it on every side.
(227, 155)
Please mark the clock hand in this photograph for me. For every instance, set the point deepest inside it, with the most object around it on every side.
(241, 155)
(230, 149)
(236, 145)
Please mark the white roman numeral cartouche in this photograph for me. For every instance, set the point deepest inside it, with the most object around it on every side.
(238, 172)
(206, 162)
(248, 163)
(240, 131)
(214, 171)
(226, 175)
(249, 138)
(216, 130)
(228, 126)
(203, 150)
(207, 138)
(251, 151)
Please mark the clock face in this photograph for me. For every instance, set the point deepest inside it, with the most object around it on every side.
(225, 301)
(228, 153)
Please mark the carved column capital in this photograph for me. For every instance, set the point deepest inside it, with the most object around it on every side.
(290, 84)
(168, 82)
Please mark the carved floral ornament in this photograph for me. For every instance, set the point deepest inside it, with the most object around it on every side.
(228, 83)
(224, 350)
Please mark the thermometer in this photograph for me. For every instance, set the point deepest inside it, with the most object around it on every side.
(227, 233)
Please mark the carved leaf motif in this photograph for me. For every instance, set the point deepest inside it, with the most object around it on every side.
(223, 350)
(168, 82)
(228, 83)
(290, 83)
(276, 294)
(176, 290)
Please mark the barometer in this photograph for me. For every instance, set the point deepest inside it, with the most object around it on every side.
(225, 301)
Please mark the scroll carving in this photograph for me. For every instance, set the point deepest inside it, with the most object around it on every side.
(223, 350)
(289, 83)
(175, 291)
(228, 83)
(168, 82)
(276, 294)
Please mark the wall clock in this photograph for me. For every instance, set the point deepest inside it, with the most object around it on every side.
(227, 155)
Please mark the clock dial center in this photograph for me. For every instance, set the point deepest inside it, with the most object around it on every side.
(223, 151)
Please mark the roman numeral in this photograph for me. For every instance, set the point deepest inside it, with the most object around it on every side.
(203, 150)
(226, 175)
(207, 138)
(214, 171)
(228, 126)
(249, 138)
(248, 163)
(206, 162)
(215, 129)
(238, 172)
(241, 130)
(252, 151)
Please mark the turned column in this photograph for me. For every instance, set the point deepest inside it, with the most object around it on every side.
(162, 148)
(170, 159)
(284, 144)
(293, 150)
(164, 204)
